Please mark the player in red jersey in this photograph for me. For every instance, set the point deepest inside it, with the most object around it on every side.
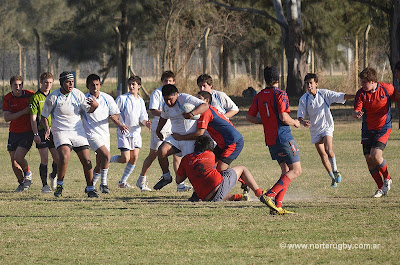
(273, 106)
(209, 183)
(373, 104)
(16, 111)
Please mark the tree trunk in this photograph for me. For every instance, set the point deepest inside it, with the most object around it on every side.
(38, 62)
(395, 35)
(225, 64)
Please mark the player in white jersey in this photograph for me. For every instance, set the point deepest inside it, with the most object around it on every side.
(97, 129)
(65, 106)
(316, 104)
(133, 112)
(155, 106)
(181, 123)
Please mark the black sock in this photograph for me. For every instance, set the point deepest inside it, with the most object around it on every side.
(54, 173)
(43, 173)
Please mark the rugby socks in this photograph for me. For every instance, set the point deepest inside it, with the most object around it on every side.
(241, 181)
(332, 160)
(128, 170)
(103, 173)
(167, 176)
(383, 169)
(60, 182)
(54, 173)
(237, 197)
(90, 188)
(96, 177)
(114, 159)
(280, 186)
(332, 175)
(43, 173)
(279, 197)
(376, 175)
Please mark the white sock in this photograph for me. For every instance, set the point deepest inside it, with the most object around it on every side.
(331, 175)
(103, 173)
(114, 159)
(96, 177)
(333, 163)
(141, 179)
(128, 170)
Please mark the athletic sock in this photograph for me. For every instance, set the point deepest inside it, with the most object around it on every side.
(383, 169)
(279, 197)
(103, 173)
(141, 179)
(258, 192)
(60, 182)
(43, 173)
(281, 184)
(237, 197)
(89, 188)
(53, 174)
(241, 181)
(128, 170)
(168, 176)
(96, 177)
(376, 175)
(332, 160)
(332, 175)
(114, 159)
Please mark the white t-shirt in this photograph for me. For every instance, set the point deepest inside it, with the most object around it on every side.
(317, 109)
(65, 110)
(133, 112)
(222, 102)
(178, 123)
(156, 102)
(96, 123)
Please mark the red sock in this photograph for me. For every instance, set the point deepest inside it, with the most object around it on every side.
(283, 183)
(258, 192)
(383, 169)
(279, 197)
(237, 197)
(241, 181)
(376, 175)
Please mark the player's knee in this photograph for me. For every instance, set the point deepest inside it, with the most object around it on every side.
(87, 164)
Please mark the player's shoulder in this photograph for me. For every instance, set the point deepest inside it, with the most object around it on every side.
(387, 86)
(8, 96)
(29, 92)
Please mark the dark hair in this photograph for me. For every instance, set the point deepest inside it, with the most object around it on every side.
(169, 90)
(204, 78)
(271, 75)
(64, 76)
(167, 74)
(15, 78)
(135, 79)
(46, 75)
(92, 77)
(203, 143)
(397, 66)
(310, 76)
(206, 95)
(368, 74)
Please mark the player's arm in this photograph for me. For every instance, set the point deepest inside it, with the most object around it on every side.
(349, 96)
(155, 112)
(35, 129)
(253, 119)
(45, 123)
(180, 173)
(122, 127)
(146, 123)
(358, 106)
(93, 104)
(190, 136)
(10, 116)
(231, 113)
(286, 119)
(305, 123)
(198, 110)
(160, 125)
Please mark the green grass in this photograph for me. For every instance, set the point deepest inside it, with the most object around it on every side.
(130, 227)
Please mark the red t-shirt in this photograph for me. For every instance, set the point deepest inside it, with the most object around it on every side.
(199, 168)
(14, 104)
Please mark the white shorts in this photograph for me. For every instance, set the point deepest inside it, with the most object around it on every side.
(318, 137)
(73, 138)
(155, 142)
(185, 147)
(96, 143)
(130, 143)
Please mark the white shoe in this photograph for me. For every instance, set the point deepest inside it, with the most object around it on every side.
(378, 194)
(124, 185)
(142, 184)
(183, 187)
(387, 184)
(46, 189)
(53, 183)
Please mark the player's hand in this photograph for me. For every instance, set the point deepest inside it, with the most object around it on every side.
(47, 134)
(296, 123)
(357, 114)
(177, 136)
(306, 123)
(187, 115)
(148, 125)
(37, 139)
(92, 102)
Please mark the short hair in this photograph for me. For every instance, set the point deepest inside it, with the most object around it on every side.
(167, 74)
(368, 74)
(206, 95)
(397, 66)
(271, 75)
(46, 75)
(92, 77)
(169, 90)
(203, 143)
(204, 78)
(64, 76)
(135, 79)
(16, 78)
(310, 76)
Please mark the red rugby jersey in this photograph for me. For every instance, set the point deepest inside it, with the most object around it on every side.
(14, 104)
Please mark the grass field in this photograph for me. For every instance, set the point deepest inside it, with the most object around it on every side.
(341, 225)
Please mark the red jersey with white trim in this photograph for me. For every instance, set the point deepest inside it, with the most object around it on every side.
(376, 106)
(219, 127)
(14, 104)
(200, 170)
(269, 103)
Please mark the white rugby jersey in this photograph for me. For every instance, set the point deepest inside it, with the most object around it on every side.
(178, 123)
(222, 102)
(96, 123)
(65, 110)
(318, 109)
(156, 102)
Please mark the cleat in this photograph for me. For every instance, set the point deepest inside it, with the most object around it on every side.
(338, 176)
(245, 196)
(334, 183)
(27, 183)
(280, 211)
(104, 188)
(28, 175)
(58, 191)
(20, 188)
(194, 197)
(53, 181)
(183, 187)
(244, 187)
(46, 189)
(142, 184)
(387, 184)
(124, 185)
(268, 201)
(378, 194)
(162, 182)
(93, 194)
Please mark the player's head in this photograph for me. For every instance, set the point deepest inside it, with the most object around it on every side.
(67, 81)
(368, 78)
(203, 143)
(311, 83)
(91, 78)
(17, 85)
(134, 84)
(168, 77)
(93, 84)
(16, 78)
(271, 75)
(204, 82)
(170, 94)
(205, 96)
(46, 81)
(397, 70)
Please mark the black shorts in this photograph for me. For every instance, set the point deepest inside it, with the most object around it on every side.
(45, 143)
(374, 139)
(15, 140)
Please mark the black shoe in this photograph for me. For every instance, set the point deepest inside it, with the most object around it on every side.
(162, 182)
(245, 188)
(27, 183)
(58, 192)
(194, 197)
(93, 194)
(104, 189)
